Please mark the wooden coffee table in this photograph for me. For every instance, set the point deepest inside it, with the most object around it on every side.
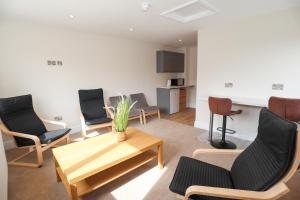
(87, 165)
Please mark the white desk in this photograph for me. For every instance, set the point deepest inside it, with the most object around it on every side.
(242, 101)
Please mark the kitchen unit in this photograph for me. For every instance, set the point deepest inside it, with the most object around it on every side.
(172, 99)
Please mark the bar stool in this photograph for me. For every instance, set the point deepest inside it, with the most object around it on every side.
(221, 106)
(285, 108)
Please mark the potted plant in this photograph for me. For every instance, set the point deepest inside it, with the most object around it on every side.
(120, 122)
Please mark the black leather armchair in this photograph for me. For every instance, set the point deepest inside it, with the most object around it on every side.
(94, 112)
(20, 121)
(259, 172)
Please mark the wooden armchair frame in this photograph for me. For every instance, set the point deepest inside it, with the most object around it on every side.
(86, 128)
(38, 147)
(275, 192)
(137, 117)
(150, 113)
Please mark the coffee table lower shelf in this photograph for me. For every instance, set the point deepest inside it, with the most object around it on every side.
(91, 183)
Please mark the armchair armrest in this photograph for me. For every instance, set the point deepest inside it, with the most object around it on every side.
(109, 111)
(275, 192)
(63, 124)
(217, 151)
(22, 135)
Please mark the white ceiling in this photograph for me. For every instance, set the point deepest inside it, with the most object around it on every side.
(115, 17)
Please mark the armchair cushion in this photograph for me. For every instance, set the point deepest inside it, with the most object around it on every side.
(51, 136)
(114, 100)
(140, 99)
(101, 120)
(114, 103)
(150, 109)
(195, 172)
(45, 138)
(18, 115)
(269, 157)
(134, 112)
(92, 104)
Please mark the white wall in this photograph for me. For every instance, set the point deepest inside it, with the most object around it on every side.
(89, 61)
(191, 75)
(252, 54)
(3, 171)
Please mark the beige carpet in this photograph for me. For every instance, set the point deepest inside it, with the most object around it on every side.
(147, 182)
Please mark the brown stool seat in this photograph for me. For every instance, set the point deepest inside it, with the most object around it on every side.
(221, 106)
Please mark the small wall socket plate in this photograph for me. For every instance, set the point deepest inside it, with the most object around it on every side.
(277, 86)
(54, 62)
(58, 118)
(228, 85)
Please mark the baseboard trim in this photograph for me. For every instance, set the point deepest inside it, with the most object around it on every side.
(201, 125)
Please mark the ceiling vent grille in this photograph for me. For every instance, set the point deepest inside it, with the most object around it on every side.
(190, 11)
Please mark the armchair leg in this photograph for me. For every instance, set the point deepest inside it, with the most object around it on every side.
(25, 164)
(83, 132)
(68, 139)
(141, 119)
(144, 116)
(39, 154)
(109, 128)
(158, 114)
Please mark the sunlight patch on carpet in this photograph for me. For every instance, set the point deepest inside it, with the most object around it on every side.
(139, 187)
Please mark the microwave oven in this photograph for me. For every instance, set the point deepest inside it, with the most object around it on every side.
(177, 82)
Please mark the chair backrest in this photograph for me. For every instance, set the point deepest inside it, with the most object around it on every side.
(92, 104)
(286, 108)
(114, 100)
(269, 158)
(18, 115)
(140, 99)
(220, 106)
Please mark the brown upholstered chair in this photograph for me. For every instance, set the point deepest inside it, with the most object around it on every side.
(221, 106)
(286, 108)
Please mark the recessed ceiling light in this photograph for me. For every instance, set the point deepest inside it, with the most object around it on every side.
(71, 16)
(131, 29)
(179, 40)
(146, 5)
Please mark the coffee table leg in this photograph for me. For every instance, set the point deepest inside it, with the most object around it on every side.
(57, 175)
(74, 195)
(160, 156)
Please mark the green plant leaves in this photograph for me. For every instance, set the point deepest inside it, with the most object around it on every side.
(122, 113)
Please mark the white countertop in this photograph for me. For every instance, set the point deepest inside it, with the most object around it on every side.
(176, 87)
(255, 102)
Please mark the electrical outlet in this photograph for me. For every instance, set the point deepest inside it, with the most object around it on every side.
(59, 62)
(277, 86)
(228, 85)
(58, 118)
(54, 62)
